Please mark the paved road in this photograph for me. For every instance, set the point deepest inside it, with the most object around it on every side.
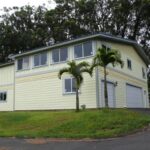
(139, 141)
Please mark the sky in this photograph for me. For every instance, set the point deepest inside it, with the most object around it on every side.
(19, 3)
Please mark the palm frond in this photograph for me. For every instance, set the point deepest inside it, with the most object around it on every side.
(87, 70)
(104, 57)
(83, 64)
(62, 71)
(115, 58)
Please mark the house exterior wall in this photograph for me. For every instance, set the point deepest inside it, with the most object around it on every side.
(124, 75)
(120, 88)
(46, 92)
(127, 52)
(40, 89)
(7, 85)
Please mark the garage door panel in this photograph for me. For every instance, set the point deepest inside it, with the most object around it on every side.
(111, 94)
(134, 96)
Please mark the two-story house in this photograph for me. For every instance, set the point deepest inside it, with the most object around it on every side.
(31, 81)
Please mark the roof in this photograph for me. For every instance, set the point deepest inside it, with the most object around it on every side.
(103, 36)
(6, 64)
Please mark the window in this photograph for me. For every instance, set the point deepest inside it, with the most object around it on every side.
(143, 73)
(23, 63)
(40, 59)
(69, 85)
(59, 55)
(83, 50)
(3, 96)
(78, 51)
(129, 64)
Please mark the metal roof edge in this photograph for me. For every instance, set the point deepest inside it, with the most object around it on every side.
(101, 35)
(87, 37)
(6, 64)
(142, 54)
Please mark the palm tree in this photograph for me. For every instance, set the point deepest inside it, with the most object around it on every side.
(102, 58)
(76, 70)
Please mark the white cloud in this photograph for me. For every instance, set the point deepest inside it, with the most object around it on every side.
(19, 3)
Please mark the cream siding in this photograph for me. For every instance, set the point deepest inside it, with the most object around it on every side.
(120, 89)
(127, 52)
(46, 92)
(7, 85)
(40, 89)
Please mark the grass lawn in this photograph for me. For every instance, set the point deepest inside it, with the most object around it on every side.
(68, 124)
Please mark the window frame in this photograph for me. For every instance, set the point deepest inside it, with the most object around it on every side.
(59, 49)
(40, 54)
(23, 68)
(67, 93)
(3, 100)
(129, 60)
(83, 56)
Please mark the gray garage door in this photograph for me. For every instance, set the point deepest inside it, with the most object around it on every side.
(134, 96)
(111, 94)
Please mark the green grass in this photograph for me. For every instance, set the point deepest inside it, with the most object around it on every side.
(102, 123)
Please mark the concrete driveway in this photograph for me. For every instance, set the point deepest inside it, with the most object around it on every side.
(139, 141)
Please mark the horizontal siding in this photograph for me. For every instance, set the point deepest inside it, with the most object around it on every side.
(46, 92)
(7, 84)
(120, 89)
(7, 75)
(127, 52)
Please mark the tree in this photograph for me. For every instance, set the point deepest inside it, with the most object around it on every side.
(29, 27)
(22, 29)
(76, 70)
(103, 58)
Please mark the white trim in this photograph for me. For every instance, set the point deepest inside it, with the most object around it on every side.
(56, 70)
(2, 85)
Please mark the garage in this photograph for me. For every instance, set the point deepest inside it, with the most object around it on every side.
(134, 96)
(111, 94)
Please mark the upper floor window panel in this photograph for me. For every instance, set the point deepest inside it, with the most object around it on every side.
(59, 55)
(83, 50)
(23, 63)
(40, 59)
(129, 64)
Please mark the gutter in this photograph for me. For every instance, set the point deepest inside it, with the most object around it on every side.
(6, 64)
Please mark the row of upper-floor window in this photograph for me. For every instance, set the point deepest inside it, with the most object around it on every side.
(57, 55)
(61, 55)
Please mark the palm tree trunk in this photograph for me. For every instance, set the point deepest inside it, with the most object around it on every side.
(105, 88)
(77, 100)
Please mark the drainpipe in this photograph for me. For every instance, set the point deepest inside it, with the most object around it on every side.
(14, 86)
(97, 87)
